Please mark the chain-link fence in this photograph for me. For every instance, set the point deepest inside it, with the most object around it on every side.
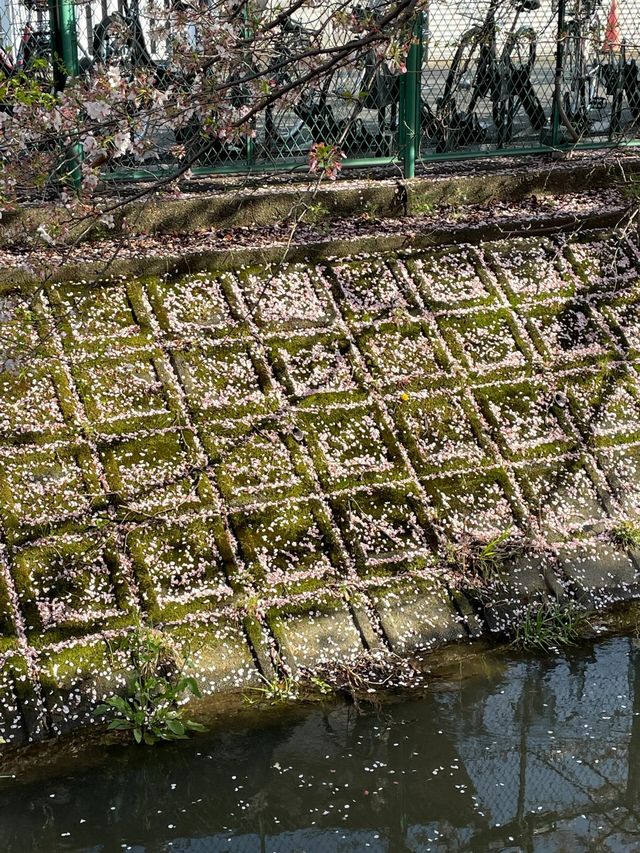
(492, 76)
(529, 74)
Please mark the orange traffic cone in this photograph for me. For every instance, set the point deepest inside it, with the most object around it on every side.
(612, 36)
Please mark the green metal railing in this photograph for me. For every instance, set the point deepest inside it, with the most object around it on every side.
(498, 84)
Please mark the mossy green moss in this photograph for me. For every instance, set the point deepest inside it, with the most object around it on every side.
(184, 567)
(266, 465)
(530, 269)
(194, 304)
(387, 530)
(289, 547)
(476, 504)
(565, 331)
(72, 586)
(155, 472)
(122, 393)
(563, 496)
(487, 342)
(441, 431)
(605, 403)
(451, 278)
(89, 314)
(47, 487)
(526, 418)
(351, 446)
(317, 369)
(403, 356)
(227, 380)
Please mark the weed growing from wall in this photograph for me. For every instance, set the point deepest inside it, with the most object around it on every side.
(626, 535)
(151, 710)
(546, 628)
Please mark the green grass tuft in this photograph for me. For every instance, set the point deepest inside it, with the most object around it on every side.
(546, 628)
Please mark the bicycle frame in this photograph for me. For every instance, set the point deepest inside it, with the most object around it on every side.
(493, 75)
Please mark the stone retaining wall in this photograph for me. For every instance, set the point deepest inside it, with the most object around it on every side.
(286, 466)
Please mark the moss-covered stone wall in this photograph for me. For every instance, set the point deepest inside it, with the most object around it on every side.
(282, 466)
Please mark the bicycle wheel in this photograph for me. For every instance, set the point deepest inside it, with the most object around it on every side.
(581, 88)
(469, 79)
(519, 56)
(116, 41)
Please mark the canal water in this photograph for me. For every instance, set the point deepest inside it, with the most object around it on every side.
(518, 755)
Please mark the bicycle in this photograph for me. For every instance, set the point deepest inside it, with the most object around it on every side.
(119, 40)
(479, 70)
(592, 82)
(34, 49)
(373, 88)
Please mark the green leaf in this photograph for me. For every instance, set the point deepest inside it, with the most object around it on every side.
(137, 735)
(119, 725)
(176, 727)
(191, 684)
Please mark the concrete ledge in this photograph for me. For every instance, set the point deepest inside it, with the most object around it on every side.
(265, 205)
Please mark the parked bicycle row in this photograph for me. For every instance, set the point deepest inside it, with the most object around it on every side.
(492, 87)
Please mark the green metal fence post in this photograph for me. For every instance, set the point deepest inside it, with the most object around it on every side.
(62, 14)
(64, 49)
(410, 104)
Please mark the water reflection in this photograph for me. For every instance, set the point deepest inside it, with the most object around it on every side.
(539, 756)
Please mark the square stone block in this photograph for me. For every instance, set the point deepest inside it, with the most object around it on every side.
(562, 496)
(485, 342)
(386, 530)
(182, 567)
(606, 403)
(530, 268)
(371, 289)
(519, 584)
(71, 586)
(452, 277)
(401, 356)
(287, 297)
(316, 368)
(288, 546)
(194, 305)
(624, 317)
(77, 677)
(16, 700)
(441, 431)
(599, 573)
(126, 392)
(352, 445)
(7, 612)
(310, 635)
(567, 330)
(476, 505)
(225, 380)
(417, 616)
(265, 465)
(621, 465)
(29, 403)
(156, 472)
(42, 487)
(523, 418)
(19, 320)
(219, 653)
(604, 262)
(91, 313)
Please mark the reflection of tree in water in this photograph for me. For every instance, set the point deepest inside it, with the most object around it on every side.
(272, 789)
(599, 785)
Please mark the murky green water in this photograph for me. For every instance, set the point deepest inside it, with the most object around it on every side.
(533, 755)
